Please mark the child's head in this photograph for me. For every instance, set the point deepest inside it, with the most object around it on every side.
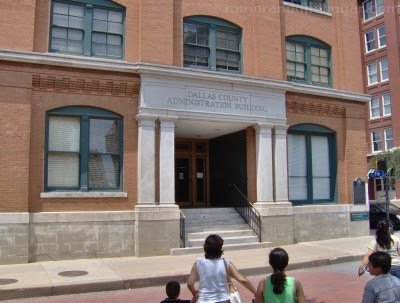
(278, 259)
(173, 289)
(379, 263)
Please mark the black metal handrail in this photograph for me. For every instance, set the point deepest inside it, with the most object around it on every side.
(246, 210)
(182, 230)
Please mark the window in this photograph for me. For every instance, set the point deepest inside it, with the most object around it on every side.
(312, 164)
(376, 141)
(383, 65)
(372, 70)
(84, 149)
(388, 138)
(85, 28)
(369, 41)
(321, 5)
(308, 60)
(381, 36)
(374, 107)
(372, 8)
(211, 43)
(387, 109)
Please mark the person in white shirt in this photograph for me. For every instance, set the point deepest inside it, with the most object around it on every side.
(211, 273)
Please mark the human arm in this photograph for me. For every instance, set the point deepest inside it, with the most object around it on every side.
(234, 273)
(300, 298)
(193, 277)
(364, 262)
(260, 292)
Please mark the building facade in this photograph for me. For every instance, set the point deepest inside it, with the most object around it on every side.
(379, 35)
(115, 114)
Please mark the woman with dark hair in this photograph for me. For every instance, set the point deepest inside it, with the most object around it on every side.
(278, 288)
(212, 273)
(386, 242)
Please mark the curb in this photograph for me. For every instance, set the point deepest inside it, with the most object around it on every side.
(121, 284)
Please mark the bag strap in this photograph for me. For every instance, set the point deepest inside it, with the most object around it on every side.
(228, 278)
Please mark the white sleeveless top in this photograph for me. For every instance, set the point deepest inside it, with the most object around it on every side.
(213, 285)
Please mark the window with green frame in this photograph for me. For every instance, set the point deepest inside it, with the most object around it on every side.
(83, 150)
(87, 27)
(308, 60)
(312, 164)
(211, 43)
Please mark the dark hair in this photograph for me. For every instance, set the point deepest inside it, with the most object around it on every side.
(382, 260)
(173, 289)
(213, 247)
(278, 259)
(383, 237)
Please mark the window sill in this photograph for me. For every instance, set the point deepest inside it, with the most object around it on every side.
(72, 194)
(372, 18)
(308, 9)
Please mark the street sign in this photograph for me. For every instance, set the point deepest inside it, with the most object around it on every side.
(376, 174)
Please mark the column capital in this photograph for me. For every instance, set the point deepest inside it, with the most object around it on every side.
(263, 128)
(281, 129)
(146, 120)
(167, 121)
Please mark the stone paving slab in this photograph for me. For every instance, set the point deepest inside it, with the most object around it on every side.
(43, 279)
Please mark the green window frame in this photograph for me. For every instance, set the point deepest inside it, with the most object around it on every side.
(88, 28)
(83, 150)
(311, 164)
(308, 60)
(212, 43)
(321, 5)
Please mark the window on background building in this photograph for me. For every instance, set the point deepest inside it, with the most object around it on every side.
(372, 71)
(84, 149)
(388, 138)
(381, 36)
(321, 5)
(369, 41)
(383, 65)
(312, 164)
(386, 105)
(372, 8)
(308, 60)
(374, 107)
(84, 28)
(376, 141)
(211, 43)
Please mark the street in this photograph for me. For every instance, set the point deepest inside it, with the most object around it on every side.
(326, 284)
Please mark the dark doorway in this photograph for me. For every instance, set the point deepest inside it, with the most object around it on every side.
(228, 165)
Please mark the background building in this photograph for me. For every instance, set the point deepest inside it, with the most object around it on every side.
(379, 35)
(116, 113)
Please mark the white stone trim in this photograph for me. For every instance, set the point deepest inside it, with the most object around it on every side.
(78, 194)
(14, 218)
(74, 216)
(329, 208)
(175, 72)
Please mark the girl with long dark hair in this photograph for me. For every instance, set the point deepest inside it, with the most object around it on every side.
(279, 288)
(386, 242)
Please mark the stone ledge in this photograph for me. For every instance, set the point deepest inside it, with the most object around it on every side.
(72, 194)
(321, 209)
(14, 218)
(113, 216)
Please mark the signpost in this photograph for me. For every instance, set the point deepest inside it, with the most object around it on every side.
(377, 174)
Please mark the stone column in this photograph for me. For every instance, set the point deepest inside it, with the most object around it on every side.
(146, 159)
(264, 167)
(281, 166)
(167, 160)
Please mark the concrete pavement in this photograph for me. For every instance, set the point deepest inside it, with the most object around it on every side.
(90, 275)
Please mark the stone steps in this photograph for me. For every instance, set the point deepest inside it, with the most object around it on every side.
(225, 222)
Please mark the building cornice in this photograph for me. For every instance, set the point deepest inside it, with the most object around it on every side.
(175, 72)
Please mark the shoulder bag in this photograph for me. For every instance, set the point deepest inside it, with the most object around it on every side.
(234, 295)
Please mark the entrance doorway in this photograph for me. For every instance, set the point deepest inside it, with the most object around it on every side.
(191, 173)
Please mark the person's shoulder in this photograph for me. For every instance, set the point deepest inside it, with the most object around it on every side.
(395, 238)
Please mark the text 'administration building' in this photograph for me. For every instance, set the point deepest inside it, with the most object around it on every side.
(114, 114)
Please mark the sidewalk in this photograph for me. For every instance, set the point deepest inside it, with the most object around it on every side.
(91, 275)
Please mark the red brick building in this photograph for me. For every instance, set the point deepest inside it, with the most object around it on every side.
(379, 38)
(116, 113)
